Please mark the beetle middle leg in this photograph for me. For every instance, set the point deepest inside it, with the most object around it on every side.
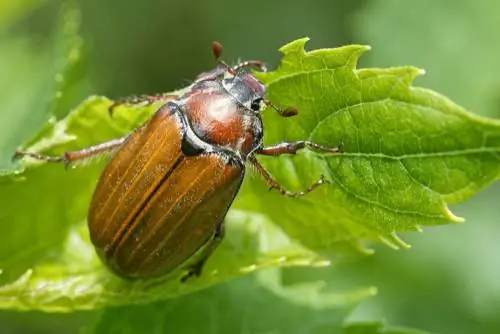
(73, 156)
(273, 184)
(195, 269)
(289, 148)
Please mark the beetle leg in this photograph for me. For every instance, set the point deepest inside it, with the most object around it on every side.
(138, 99)
(293, 147)
(290, 148)
(72, 156)
(273, 184)
(260, 65)
(195, 269)
(220, 70)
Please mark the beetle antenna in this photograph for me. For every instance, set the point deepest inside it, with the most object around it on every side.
(217, 51)
(287, 112)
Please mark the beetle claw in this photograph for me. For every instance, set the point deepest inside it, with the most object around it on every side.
(111, 108)
(193, 271)
(66, 160)
(272, 186)
(17, 156)
(67, 165)
(341, 147)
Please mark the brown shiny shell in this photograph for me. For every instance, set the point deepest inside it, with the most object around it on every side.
(220, 121)
(154, 206)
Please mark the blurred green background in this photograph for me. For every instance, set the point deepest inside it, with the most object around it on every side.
(448, 282)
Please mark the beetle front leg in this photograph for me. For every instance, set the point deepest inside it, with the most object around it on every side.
(293, 147)
(144, 98)
(195, 269)
(72, 156)
(273, 184)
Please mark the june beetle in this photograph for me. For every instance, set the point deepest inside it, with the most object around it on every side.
(165, 192)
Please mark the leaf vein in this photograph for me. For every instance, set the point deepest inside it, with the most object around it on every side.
(378, 204)
(469, 151)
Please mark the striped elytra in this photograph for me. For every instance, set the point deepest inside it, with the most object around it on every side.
(155, 205)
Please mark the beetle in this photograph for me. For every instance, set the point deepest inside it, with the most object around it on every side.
(169, 184)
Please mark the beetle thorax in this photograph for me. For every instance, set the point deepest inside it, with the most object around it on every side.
(218, 119)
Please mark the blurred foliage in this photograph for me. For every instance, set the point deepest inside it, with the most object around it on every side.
(445, 284)
(454, 41)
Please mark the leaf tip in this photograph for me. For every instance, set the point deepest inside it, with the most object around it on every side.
(414, 72)
(356, 53)
(362, 248)
(394, 241)
(297, 45)
(453, 218)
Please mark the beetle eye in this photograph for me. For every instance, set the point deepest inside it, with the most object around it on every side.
(256, 104)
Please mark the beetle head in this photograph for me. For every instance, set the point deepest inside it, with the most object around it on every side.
(243, 86)
(246, 90)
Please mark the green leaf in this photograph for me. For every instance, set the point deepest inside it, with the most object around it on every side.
(407, 153)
